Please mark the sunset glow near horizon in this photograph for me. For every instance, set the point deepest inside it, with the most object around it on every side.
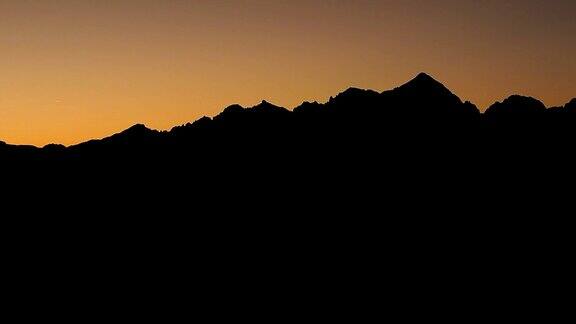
(73, 70)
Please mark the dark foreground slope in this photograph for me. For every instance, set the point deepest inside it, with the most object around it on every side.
(410, 193)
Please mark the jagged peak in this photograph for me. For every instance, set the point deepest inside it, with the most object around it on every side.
(308, 103)
(264, 103)
(517, 104)
(424, 86)
(355, 90)
(266, 106)
(353, 93)
(307, 106)
(424, 80)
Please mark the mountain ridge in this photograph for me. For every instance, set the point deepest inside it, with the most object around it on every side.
(422, 90)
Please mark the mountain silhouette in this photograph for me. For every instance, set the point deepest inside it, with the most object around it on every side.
(516, 105)
(424, 95)
(416, 131)
(401, 191)
(407, 139)
(420, 109)
(424, 88)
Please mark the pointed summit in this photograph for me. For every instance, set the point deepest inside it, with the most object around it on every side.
(424, 83)
(267, 107)
(425, 90)
(424, 77)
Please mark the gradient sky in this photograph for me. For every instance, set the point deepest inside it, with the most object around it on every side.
(71, 70)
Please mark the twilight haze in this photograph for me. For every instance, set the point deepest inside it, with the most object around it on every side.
(72, 70)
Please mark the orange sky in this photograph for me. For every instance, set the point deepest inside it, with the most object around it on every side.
(72, 70)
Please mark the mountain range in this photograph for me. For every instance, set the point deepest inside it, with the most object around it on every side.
(422, 101)
(410, 187)
(411, 138)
